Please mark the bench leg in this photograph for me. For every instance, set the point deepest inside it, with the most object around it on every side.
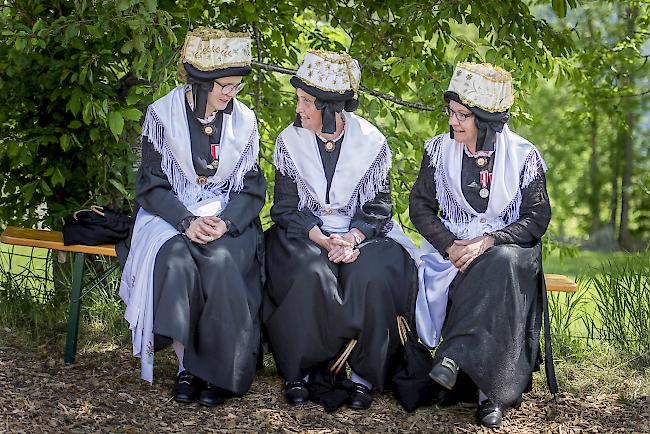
(75, 306)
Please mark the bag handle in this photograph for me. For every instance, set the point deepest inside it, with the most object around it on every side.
(403, 329)
(93, 208)
(340, 361)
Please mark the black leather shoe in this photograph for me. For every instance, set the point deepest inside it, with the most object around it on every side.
(445, 373)
(296, 392)
(360, 399)
(488, 414)
(211, 395)
(186, 389)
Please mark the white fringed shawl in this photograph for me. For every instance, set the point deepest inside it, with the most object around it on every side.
(361, 170)
(166, 127)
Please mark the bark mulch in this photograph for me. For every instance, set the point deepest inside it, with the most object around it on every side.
(102, 392)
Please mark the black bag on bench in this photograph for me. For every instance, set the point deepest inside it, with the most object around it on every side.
(95, 226)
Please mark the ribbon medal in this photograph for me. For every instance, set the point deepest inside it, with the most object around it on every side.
(485, 177)
(214, 150)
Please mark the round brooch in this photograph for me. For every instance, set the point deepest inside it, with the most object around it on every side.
(330, 146)
(208, 129)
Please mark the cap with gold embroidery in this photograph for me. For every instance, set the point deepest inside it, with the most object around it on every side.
(330, 71)
(482, 85)
(210, 53)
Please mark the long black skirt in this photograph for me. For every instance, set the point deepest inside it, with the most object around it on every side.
(208, 297)
(314, 307)
(494, 317)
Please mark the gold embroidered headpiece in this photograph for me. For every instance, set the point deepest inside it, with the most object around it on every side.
(483, 85)
(330, 71)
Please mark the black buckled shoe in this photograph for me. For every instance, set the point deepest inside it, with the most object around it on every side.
(211, 395)
(445, 373)
(186, 389)
(296, 392)
(360, 398)
(488, 414)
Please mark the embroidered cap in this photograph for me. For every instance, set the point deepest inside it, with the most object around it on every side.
(207, 53)
(330, 71)
(482, 85)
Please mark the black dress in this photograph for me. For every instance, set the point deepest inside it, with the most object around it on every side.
(314, 307)
(494, 310)
(208, 296)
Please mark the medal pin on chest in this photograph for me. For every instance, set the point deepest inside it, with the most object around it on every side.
(214, 150)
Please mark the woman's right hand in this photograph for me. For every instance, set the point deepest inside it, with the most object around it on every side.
(202, 230)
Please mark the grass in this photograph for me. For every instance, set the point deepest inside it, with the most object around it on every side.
(579, 266)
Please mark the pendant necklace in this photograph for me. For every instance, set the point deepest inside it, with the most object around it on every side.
(330, 144)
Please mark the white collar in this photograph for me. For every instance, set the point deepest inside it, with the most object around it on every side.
(166, 126)
(361, 170)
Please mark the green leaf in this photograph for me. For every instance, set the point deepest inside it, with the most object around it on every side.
(127, 47)
(132, 114)
(20, 44)
(151, 5)
(57, 177)
(123, 5)
(116, 123)
(65, 142)
(119, 186)
(46, 188)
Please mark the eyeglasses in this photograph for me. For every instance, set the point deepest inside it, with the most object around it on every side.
(462, 117)
(231, 88)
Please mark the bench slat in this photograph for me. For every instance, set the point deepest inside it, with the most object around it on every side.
(54, 240)
(50, 240)
(559, 283)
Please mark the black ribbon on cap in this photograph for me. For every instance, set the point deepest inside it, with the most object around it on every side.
(200, 91)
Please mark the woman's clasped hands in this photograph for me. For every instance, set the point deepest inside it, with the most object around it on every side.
(205, 229)
(463, 252)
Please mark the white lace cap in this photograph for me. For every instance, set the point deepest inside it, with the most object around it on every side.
(208, 49)
(330, 71)
(483, 85)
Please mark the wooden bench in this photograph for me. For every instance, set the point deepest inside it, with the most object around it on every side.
(53, 240)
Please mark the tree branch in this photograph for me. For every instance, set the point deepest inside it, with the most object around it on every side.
(387, 97)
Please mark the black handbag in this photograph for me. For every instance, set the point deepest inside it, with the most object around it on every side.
(96, 226)
(411, 384)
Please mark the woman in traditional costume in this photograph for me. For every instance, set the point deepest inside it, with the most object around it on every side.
(335, 272)
(192, 278)
(481, 204)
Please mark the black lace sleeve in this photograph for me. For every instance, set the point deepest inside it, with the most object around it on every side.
(245, 205)
(374, 215)
(284, 211)
(424, 210)
(534, 215)
(154, 192)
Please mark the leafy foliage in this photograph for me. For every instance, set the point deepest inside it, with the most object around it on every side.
(78, 75)
(73, 89)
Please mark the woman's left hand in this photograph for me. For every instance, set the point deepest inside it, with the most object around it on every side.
(471, 249)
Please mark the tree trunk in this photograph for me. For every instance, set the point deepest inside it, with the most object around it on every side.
(624, 238)
(594, 174)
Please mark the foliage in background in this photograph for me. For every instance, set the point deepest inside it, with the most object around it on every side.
(72, 90)
(77, 75)
(593, 127)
